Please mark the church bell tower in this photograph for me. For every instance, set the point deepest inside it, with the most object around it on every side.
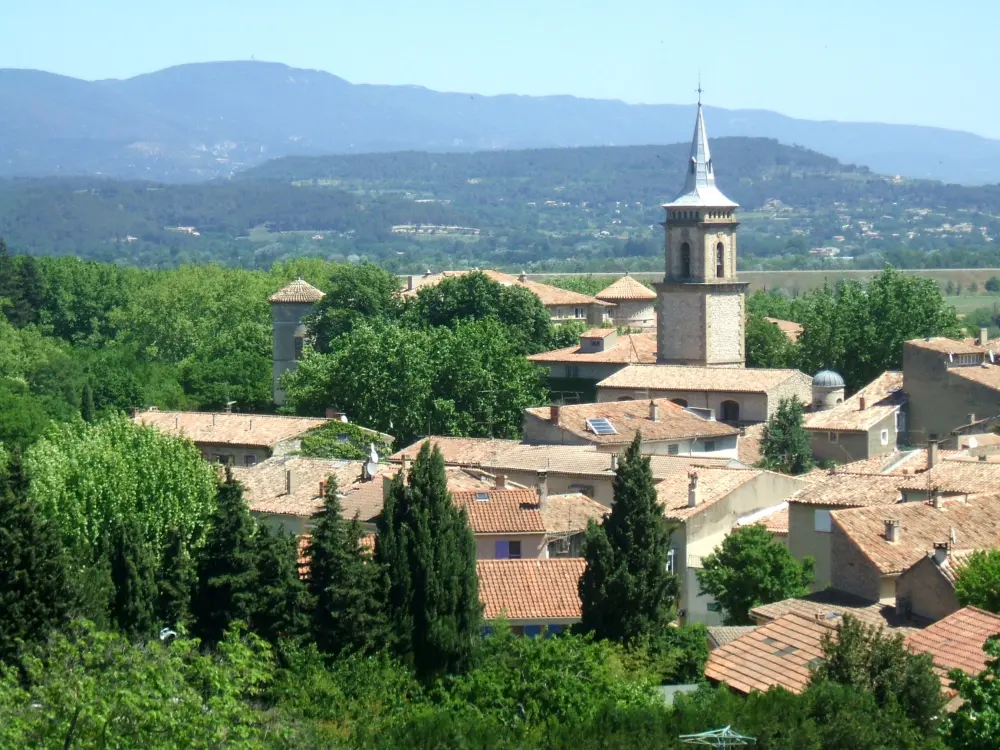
(700, 321)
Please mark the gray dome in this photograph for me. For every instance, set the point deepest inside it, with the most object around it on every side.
(828, 379)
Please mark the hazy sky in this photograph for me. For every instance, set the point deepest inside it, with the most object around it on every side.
(878, 60)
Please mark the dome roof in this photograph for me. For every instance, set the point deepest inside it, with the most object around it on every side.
(297, 291)
(828, 379)
(626, 288)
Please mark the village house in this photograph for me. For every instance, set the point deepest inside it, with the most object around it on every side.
(562, 304)
(791, 329)
(867, 424)
(731, 394)
(633, 303)
(536, 596)
(575, 371)
(666, 428)
(871, 547)
(230, 438)
(927, 588)
(831, 604)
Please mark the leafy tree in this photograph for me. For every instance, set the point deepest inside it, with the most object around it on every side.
(227, 566)
(347, 586)
(976, 723)
(866, 659)
(133, 573)
(978, 581)
(353, 293)
(281, 607)
(750, 568)
(175, 582)
(27, 303)
(992, 285)
(567, 334)
(427, 549)
(35, 589)
(785, 444)
(766, 344)
(625, 590)
(87, 405)
(10, 292)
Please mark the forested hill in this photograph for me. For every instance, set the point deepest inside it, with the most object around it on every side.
(206, 120)
(547, 209)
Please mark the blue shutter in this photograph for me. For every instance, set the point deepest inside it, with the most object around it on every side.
(502, 549)
(532, 631)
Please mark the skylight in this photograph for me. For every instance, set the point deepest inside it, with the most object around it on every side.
(601, 426)
(482, 496)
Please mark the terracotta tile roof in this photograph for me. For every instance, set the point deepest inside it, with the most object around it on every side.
(259, 430)
(532, 589)
(549, 295)
(831, 605)
(951, 346)
(502, 511)
(791, 329)
(713, 485)
(458, 451)
(777, 522)
(956, 642)
(986, 374)
(883, 397)
(624, 289)
(783, 652)
(628, 417)
(632, 348)
(597, 333)
(851, 490)
(749, 445)
(680, 378)
(957, 476)
(297, 291)
(954, 562)
(975, 523)
(720, 635)
(569, 514)
(897, 463)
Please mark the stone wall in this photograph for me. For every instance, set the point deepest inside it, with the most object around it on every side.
(725, 316)
(851, 570)
(680, 333)
(804, 540)
(926, 591)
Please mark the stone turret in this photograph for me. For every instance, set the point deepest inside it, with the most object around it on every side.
(289, 307)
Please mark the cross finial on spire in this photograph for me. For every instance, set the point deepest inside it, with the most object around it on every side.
(699, 89)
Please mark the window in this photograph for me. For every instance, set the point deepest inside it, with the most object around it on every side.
(673, 449)
(299, 342)
(249, 459)
(884, 437)
(679, 401)
(730, 411)
(222, 458)
(517, 629)
(583, 489)
(501, 549)
(579, 312)
(832, 437)
(685, 260)
(514, 551)
(671, 560)
(572, 371)
(720, 260)
(601, 426)
(532, 631)
(709, 446)
(821, 521)
(551, 630)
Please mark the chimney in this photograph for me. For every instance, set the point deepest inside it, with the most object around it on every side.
(892, 530)
(331, 413)
(250, 428)
(543, 490)
(984, 336)
(410, 284)
(693, 498)
(135, 412)
(654, 411)
(322, 488)
(289, 484)
(405, 468)
(972, 418)
(522, 277)
(177, 423)
(951, 536)
(213, 420)
(932, 452)
(554, 414)
(861, 402)
(941, 550)
(936, 499)
(982, 456)
(427, 273)
(501, 482)
(614, 462)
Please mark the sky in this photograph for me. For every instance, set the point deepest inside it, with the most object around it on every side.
(892, 61)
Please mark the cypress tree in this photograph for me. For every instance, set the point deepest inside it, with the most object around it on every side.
(175, 583)
(227, 566)
(427, 549)
(133, 572)
(281, 607)
(785, 443)
(35, 591)
(87, 404)
(30, 293)
(347, 586)
(626, 590)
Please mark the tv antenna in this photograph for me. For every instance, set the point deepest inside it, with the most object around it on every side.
(724, 737)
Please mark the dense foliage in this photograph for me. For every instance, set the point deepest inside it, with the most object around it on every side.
(784, 444)
(977, 583)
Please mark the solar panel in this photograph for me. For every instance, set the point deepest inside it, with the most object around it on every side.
(601, 426)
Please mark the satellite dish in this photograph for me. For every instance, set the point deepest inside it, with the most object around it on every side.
(371, 468)
(973, 443)
(373, 455)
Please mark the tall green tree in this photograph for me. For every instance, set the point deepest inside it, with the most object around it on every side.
(427, 549)
(867, 659)
(977, 583)
(785, 445)
(626, 590)
(227, 565)
(281, 607)
(353, 293)
(976, 723)
(347, 586)
(10, 291)
(35, 589)
(750, 568)
(175, 582)
(27, 304)
(767, 345)
(87, 405)
(133, 573)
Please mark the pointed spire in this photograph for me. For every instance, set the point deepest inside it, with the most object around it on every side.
(699, 182)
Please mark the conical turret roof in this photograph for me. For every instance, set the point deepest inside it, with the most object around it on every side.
(626, 288)
(699, 185)
(297, 291)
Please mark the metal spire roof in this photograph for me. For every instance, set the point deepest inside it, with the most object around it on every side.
(699, 185)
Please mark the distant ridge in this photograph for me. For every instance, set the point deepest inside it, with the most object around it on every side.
(206, 120)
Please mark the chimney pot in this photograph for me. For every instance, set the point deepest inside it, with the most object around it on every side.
(322, 488)
(951, 536)
(410, 284)
(654, 411)
(135, 412)
(984, 336)
(543, 490)
(289, 482)
(554, 413)
(932, 453)
(972, 418)
(614, 462)
(861, 402)
(941, 551)
(693, 494)
(892, 530)
(501, 481)
(937, 500)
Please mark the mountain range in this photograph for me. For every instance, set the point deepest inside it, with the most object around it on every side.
(207, 120)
